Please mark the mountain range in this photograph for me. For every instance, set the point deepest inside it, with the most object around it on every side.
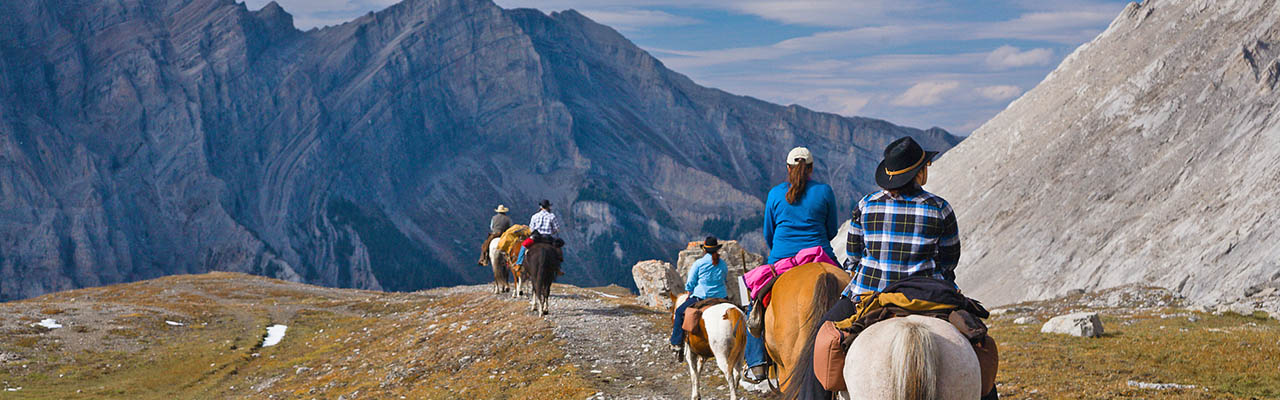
(147, 138)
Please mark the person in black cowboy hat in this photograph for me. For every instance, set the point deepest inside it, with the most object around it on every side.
(916, 234)
(543, 224)
(705, 281)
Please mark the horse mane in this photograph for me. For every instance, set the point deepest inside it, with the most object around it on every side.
(826, 291)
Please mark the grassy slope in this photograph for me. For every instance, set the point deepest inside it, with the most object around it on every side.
(1226, 356)
(116, 345)
(338, 342)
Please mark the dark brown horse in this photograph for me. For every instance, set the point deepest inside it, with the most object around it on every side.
(541, 266)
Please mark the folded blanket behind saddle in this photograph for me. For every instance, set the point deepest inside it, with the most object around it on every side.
(757, 278)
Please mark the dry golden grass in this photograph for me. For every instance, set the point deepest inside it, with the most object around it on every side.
(1226, 357)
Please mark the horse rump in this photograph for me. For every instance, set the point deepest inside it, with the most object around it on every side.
(802, 383)
(542, 263)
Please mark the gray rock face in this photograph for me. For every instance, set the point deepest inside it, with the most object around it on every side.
(147, 138)
(736, 258)
(1149, 156)
(655, 280)
(1078, 324)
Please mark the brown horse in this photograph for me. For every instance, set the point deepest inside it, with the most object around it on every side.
(800, 297)
(541, 265)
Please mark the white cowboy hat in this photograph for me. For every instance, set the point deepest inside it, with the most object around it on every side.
(501, 209)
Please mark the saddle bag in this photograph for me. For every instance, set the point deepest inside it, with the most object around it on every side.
(828, 356)
(755, 321)
(692, 316)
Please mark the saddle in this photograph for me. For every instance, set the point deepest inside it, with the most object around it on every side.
(693, 314)
(911, 296)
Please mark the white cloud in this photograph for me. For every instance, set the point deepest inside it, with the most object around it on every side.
(633, 19)
(925, 93)
(1007, 57)
(999, 92)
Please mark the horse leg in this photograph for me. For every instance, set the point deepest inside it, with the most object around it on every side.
(729, 375)
(695, 365)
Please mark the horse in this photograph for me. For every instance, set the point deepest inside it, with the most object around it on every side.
(916, 357)
(799, 299)
(542, 265)
(721, 334)
(501, 275)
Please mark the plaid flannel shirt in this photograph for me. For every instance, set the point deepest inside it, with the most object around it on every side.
(544, 222)
(891, 238)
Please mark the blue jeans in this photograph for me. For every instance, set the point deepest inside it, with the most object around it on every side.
(755, 347)
(520, 258)
(677, 333)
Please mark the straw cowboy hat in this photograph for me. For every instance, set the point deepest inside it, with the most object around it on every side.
(711, 245)
(501, 209)
(903, 159)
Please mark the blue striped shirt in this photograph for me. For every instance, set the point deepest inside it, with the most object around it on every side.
(893, 237)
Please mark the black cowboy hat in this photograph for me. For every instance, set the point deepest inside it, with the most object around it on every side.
(711, 245)
(903, 159)
(545, 203)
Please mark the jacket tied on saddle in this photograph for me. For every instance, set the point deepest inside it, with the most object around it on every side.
(911, 296)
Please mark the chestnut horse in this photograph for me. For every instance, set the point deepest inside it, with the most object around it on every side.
(799, 299)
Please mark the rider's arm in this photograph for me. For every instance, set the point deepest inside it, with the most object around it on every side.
(769, 220)
(833, 222)
(948, 244)
(853, 242)
(692, 281)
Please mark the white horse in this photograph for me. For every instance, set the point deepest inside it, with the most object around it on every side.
(724, 337)
(910, 358)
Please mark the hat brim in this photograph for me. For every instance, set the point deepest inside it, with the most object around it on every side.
(711, 249)
(884, 180)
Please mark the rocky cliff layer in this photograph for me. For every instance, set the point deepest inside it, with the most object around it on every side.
(147, 138)
(1151, 155)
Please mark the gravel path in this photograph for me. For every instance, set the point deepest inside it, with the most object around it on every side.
(615, 342)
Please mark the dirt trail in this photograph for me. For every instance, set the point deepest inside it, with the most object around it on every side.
(624, 347)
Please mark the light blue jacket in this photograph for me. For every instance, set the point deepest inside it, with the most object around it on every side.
(706, 280)
(789, 228)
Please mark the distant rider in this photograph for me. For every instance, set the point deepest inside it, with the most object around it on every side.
(543, 223)
(497, 225)
(705, 281)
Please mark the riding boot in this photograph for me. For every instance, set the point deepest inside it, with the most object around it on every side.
(994, 395)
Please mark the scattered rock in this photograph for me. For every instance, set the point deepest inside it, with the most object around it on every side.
(1026, 320)
(1238, 308)
(655, 280)
(1159, 386)
(1084, 324)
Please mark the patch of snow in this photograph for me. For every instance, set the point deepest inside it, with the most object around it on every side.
(49, 323)
(274, 334)
(1159, 386)
(603, 294)
(172, 323)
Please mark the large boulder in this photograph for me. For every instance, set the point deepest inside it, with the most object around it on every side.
(655, 280)
(1085, 324)
(738, 259)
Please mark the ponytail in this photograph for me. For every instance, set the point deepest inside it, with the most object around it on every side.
(798, 176)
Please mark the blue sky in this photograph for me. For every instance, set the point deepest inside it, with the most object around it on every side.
(953, 64)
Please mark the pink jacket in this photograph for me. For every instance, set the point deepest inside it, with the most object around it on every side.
(761, 275)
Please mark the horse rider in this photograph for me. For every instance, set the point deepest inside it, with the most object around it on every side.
(543, 223)
(705, 281)
(497, 225)
(915, 231)
(799, 214)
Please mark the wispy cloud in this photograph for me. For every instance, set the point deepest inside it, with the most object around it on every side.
(630, 20)
(925, 93)
(1006, 57)
(999, 92)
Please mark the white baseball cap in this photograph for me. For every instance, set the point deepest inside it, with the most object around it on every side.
(799, 153)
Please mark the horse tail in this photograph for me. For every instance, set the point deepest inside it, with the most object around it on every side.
(914, 368)
(738, 330)
(802, 382)
(501, 272)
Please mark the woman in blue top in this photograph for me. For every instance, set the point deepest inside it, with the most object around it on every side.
(799, 214)
(706, 280)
